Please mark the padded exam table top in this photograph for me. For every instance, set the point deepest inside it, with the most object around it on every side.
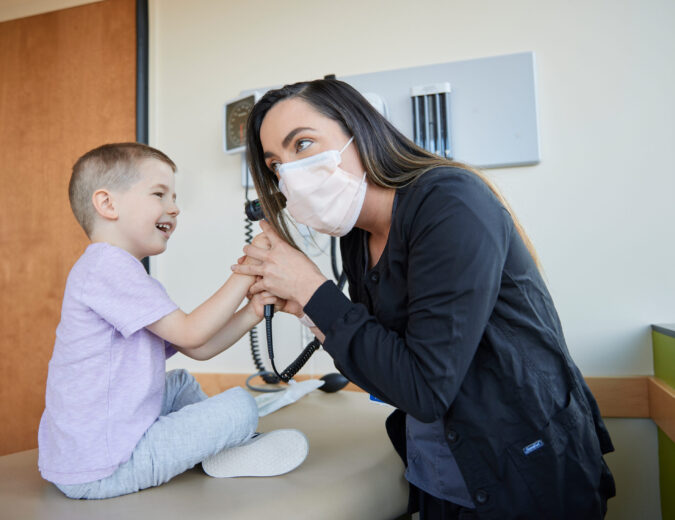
(351, 472)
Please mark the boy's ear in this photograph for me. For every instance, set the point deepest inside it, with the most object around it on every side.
(104, 204)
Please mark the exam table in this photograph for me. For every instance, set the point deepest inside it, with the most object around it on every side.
(351, 473)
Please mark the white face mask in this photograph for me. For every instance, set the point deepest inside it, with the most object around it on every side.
(322, 195)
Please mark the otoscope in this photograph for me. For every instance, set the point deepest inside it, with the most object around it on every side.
(332, 382)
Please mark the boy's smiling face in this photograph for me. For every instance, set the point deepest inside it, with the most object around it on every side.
(147, 211)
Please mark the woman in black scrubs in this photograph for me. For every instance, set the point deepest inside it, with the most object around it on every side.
(449, 318)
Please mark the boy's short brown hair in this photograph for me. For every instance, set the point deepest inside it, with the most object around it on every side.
(112, 166)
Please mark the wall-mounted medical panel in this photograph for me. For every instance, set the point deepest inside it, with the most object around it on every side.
(493, 110)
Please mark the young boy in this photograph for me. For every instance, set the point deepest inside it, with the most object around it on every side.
(115, 422)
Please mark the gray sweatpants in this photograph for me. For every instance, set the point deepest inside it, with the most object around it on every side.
(190, 428)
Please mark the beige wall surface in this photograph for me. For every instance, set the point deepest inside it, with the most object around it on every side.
(598, 207)
(13, 9)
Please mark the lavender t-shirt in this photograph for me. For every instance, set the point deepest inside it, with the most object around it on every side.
(106, 377)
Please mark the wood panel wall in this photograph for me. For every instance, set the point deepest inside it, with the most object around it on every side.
(67, 84)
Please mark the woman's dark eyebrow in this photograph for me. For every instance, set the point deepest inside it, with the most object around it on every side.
(292, 133)
(288, 138)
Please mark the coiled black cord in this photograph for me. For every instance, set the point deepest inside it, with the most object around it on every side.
(299, 361)
(333, 258)
(267, 376)
(311, 347)
(340, 277)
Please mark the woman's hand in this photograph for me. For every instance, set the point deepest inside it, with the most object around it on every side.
(286, 272)
(259, 300)
(291, 307)
(261, 241)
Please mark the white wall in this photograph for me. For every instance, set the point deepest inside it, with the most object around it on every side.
(599, 207)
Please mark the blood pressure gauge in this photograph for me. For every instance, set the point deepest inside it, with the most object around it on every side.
(236, 117)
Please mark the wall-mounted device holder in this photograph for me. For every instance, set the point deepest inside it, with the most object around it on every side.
(493, 106)
(491, 116)
(431, 118)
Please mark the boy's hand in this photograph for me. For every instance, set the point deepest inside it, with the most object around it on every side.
(286, 271)
(247, 260)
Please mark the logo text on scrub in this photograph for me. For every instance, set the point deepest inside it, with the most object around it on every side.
(533, 447)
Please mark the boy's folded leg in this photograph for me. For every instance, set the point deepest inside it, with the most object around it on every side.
(180, 389)
(176, 442)
(263, 455)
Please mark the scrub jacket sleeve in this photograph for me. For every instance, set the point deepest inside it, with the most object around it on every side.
(457, 237)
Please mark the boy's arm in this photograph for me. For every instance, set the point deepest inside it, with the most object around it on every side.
(194, 330)
(241, 322)
(197, 329)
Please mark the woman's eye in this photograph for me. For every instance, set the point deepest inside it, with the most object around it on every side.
(159, 194)
(302, 144)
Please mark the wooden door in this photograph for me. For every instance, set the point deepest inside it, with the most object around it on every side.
(67, 84)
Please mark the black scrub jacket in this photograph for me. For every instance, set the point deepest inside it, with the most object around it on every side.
(455, 321)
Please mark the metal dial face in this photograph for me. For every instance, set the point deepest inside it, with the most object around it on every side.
(236, 114)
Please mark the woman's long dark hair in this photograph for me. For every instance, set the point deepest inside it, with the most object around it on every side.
(391, 160)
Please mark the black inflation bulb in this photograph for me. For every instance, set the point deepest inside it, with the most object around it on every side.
(333, 382)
